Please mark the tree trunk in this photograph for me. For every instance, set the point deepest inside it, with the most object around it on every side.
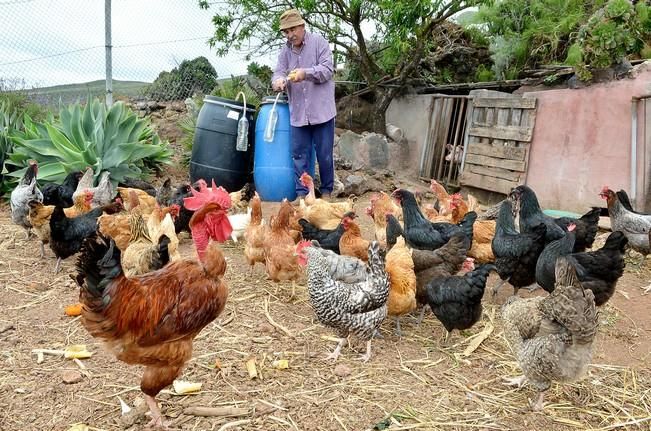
(383, 99)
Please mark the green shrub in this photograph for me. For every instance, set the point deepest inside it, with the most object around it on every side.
(113, 140)
(192, 76)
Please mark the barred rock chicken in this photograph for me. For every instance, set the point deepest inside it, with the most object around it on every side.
(143, 255)
(551, 337)
(350, 309)
(402, 291)
(254, 234)
(636, 227)
(61, 194)
(516, 254)
(456, 300)
(27, 190)
(342, 268)
(531, 215)
(152, 319)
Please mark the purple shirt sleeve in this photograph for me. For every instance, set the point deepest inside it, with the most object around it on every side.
(311, 101)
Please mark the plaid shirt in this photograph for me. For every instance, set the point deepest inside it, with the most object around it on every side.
(311, 101)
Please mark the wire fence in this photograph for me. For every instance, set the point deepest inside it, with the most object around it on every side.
(55, 50)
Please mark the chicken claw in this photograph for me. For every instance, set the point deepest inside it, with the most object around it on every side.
(365, 357)
(334, 355)
(538, 405)
(515, 381)
(156, 416)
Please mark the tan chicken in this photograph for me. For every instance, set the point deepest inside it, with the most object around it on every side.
(442, 196)
(279, 248)
(483, 232)
(161, 222)
(402, 291)
(116, 227)
(143, 255)
(381, 205)
(255, 234)
(322, 214)
(351, 242)
(146, 202)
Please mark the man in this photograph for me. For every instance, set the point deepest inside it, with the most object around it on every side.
(305, 72)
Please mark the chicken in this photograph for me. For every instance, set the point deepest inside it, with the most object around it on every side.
(321, 213)
(442, 197)
(599, 270)
(546, 265)
(381, 205)
(39, 216)
(67, 234)
(241, 198)
(151, 320)
(456, 300)
(239, 222)
(551, 337)
(158, 228)
(402, 290)
(328, 239)
(342, 268)
(279, 247)
(516, 254)
(27, 190)
(116, 227)
(626, 202)
(636, 227)
(165, 193)
(103, 193)
(254, 234)
(145, 202)
(135, 183)
(61, 194)
(531, 215)
(483, 232)
(350, 309)
(143, 255)
(351, 242)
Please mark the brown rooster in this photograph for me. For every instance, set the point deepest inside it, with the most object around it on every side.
(152, 319)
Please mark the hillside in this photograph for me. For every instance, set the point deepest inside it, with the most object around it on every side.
(70, 93)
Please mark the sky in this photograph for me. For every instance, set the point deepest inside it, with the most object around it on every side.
(52, 42)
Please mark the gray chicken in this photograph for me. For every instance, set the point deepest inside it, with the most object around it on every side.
(26, 190)
(636, 226)
(349, 308)
(102, 194)
(551, 337)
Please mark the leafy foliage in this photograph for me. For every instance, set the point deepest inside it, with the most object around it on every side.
(230, 88)
(189, 77)
(113, 140)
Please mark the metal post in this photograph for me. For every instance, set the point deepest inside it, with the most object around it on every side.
(109, 59)
(633, 194)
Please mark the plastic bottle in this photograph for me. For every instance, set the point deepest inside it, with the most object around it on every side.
(242, 133)
(270, 127)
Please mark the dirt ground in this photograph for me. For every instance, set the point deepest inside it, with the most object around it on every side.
(411, 383)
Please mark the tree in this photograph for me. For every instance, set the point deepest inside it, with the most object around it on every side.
(403, 31)
(189, 77)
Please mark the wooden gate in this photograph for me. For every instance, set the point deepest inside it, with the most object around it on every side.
(497, 142)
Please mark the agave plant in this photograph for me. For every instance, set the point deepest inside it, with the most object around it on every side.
(10, 120)
(113, 140)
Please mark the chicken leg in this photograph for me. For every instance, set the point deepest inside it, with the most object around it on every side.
(538, 405)
(365, 357)
(421, 316)
(515, 381)
(496, 288)
(156, 416)
(398, 331)
(334, 355)
(57, 266)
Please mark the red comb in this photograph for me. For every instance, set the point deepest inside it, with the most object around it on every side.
(200, 197)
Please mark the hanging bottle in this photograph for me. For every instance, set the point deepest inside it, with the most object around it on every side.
(270, 127)
(242, 133)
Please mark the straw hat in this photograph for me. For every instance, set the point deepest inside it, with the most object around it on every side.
(290, 18)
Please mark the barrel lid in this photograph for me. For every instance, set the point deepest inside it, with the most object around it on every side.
(272, 99)
(228, 103)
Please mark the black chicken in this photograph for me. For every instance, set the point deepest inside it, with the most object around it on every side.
(516, 253)
(135, 183)
(546, 265)
(456, 300)
(167, 195)
(327, 238)
(599, 270)
(531, 215)
(67, 234)
(61, 194)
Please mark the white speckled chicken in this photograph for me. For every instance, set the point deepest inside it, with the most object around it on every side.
(25, 191)
(357, 308)
(551, 336)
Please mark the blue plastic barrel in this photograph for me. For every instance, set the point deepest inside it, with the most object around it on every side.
(273, 168)
(214, 153)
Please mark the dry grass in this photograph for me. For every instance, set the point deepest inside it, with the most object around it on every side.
(410, 383)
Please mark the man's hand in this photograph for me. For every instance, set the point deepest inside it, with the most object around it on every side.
(279, 84)
(296, 75)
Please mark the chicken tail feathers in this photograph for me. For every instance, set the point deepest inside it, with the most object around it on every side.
(97, 265)
(162, 255)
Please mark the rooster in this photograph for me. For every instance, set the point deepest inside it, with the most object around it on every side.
(152, 319)
(357, 308)
(27, 190)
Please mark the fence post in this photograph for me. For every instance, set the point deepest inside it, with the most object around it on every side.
(109, 59)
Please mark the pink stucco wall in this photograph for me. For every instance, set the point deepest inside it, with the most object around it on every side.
(582, 141)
